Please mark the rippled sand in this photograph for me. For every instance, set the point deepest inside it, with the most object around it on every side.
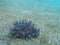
(46, 18)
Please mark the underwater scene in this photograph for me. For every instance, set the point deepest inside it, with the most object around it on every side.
(29, 22)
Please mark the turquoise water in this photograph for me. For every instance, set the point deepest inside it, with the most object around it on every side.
(38, 5)
(44, 13)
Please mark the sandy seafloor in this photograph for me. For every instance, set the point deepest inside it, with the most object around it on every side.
(43, 13)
